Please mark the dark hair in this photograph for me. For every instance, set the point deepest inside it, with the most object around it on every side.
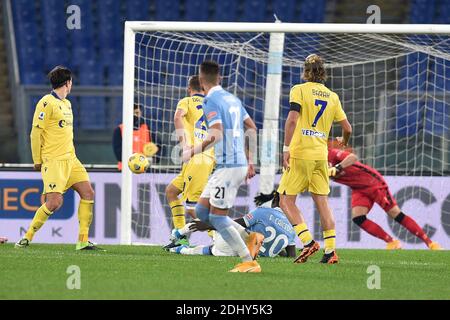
(59, 76)
(314, 69)
(194, 83)
(210, 71)
(137, 106)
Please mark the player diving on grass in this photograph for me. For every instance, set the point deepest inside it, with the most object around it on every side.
(54, 155)
(369, 187)
(191, 130)
(270, 221)
(313, 110)
(226, 120)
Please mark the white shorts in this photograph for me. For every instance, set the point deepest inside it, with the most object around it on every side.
(220, 247)
(223, 185)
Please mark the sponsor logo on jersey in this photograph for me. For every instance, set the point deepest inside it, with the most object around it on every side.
(312, 133)
(64, 123)
(211, 115)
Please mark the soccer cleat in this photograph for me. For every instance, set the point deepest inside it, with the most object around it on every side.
(22, 243)
(88, 246)
(178, 249)
(394, 245)
(330, 258)
(435, 246)
(249, 266)
(254, 242)
(183, 241)
(307, 251)
(3, 240)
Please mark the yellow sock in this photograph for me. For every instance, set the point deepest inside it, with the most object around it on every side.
(39, 219)
(178, 216)
(85, 218)
(303, 233)
(329, 238)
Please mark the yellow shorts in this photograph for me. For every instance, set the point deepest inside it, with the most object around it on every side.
(193, 178)
(59, 175)
(305, 175)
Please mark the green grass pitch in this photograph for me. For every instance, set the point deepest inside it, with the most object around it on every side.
(131, 272)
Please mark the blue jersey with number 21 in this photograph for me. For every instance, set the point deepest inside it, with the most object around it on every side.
(273, 224)
(220, 106)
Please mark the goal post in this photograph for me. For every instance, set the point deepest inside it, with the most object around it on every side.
(392, 81)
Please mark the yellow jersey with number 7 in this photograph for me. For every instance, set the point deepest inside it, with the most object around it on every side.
(319, 108)
(194, 121)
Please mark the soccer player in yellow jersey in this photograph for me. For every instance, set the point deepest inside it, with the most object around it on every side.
(191, 130)
(54, 155)
(314, 108)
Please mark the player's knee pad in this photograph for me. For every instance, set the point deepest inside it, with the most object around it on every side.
(202, 212)
(359, 220)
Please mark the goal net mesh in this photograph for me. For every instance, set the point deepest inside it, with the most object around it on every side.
(392, 87)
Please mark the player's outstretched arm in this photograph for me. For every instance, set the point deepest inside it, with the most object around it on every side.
(179, 127)
(250, 145)
(35, 139)
(346, 132)
(289, 128)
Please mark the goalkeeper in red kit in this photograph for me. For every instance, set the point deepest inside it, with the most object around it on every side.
(369, 187)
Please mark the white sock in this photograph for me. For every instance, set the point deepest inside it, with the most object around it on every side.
(198, 250)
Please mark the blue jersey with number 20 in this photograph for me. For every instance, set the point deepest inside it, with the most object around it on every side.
(220, 106)
(273, 224)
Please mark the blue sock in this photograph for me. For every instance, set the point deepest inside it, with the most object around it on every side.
(223, 225)
(202, 212)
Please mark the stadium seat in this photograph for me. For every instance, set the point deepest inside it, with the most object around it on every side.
(414, 72)
(422, 11)
(137, 10)
(115, 74)
(168, 10)
(225, 11)
(312, 11)
(55, 56)
(91, 73)
(92, 113)
(408, 115)
(254, 11)
(437, 118)
(285, 10)
(443, 12)
(196, 10)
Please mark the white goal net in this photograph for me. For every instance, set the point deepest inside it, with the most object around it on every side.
(392, 86)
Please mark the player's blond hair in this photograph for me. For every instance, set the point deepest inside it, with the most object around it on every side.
(314, 69)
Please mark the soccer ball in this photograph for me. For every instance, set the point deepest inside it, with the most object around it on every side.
(138, 163)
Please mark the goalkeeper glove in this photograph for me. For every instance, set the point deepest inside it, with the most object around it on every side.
(263, 198)
(333, 171)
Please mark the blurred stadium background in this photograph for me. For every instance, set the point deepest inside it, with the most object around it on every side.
(34, 38)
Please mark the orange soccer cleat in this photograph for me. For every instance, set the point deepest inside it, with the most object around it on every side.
(254, 242)
(307, 251)
(249, 266)
(435, 246)
(394, 245)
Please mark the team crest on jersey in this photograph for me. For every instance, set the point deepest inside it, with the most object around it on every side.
(41, 116)
(211, 115)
